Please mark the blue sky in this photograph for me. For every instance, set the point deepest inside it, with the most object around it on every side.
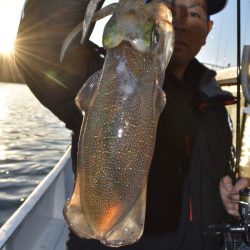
(221, 46)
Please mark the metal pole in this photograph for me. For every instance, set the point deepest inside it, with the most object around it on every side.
(238, 118)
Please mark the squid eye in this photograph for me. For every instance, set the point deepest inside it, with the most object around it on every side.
(155, 37)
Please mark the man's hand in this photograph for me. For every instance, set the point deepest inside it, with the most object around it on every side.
(230, 193)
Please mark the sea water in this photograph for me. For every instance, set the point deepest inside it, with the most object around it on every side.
(32, 140)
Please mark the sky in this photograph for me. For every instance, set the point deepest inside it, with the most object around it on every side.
(220, 49)
(10, 11)
(221, 46)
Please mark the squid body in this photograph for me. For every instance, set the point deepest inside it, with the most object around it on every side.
(121, 106)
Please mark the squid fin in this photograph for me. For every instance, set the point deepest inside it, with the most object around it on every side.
(74, 215)
(130, 228)
(87, 93)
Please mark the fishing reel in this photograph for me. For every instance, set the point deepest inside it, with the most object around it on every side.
(237, 234)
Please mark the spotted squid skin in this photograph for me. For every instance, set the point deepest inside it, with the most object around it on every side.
(116, 144)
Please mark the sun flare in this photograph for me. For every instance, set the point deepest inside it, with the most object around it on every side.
(10, 12)
(7, 46)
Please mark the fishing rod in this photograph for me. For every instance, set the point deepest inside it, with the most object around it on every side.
(238, 113)
(237, 234)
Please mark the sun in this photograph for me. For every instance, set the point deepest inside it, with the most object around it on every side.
(7, 46)
(10, 12)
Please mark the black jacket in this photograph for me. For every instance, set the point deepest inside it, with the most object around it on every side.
(193, 151)
(40, 37)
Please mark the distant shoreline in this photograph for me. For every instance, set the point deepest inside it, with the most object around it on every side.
(7, 82)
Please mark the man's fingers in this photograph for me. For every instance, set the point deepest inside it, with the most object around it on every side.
(229, 197)
(226, 183)
(232, 205)
(234, 197)
(230, 193)
(240, 184)
(234, 212)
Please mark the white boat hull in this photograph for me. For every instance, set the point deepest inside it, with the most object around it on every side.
(39, 223)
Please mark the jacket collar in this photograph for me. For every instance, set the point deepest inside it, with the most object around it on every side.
(199, 77)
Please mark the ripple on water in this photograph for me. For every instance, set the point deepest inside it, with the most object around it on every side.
(32, 140)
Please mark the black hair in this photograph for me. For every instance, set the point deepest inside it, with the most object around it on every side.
(208, 16)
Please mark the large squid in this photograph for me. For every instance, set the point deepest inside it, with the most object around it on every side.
(121, 106)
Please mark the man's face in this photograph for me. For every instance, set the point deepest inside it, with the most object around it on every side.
(191, 28)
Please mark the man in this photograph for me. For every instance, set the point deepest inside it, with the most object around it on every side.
(194, 140)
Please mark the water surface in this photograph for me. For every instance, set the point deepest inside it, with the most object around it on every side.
(32, 140)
